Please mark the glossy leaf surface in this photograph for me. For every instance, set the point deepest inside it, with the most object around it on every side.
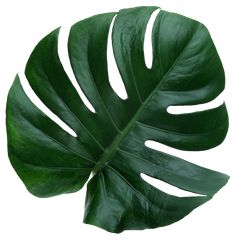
(110, 143)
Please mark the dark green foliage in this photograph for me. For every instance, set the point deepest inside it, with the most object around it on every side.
(186, 70)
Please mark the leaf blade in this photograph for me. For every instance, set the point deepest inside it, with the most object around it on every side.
(186, 71)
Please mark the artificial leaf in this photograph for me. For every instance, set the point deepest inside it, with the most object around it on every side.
(110, 143)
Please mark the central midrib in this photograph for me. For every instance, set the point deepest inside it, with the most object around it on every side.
(109, 152)
(117, 141)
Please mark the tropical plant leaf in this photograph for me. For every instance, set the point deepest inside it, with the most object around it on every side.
(110, 143)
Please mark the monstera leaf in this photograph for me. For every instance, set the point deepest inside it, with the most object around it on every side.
(110, 142)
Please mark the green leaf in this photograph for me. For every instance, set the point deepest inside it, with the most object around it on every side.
(110, 143)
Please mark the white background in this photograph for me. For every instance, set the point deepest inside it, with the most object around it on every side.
(25, 219)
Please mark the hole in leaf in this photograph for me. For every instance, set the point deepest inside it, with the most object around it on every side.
(167, 188)
(197, 157)
(219, 100)
(189, 156)
(64, 59)
(113, 72)
(41, 106)
(148, 46)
